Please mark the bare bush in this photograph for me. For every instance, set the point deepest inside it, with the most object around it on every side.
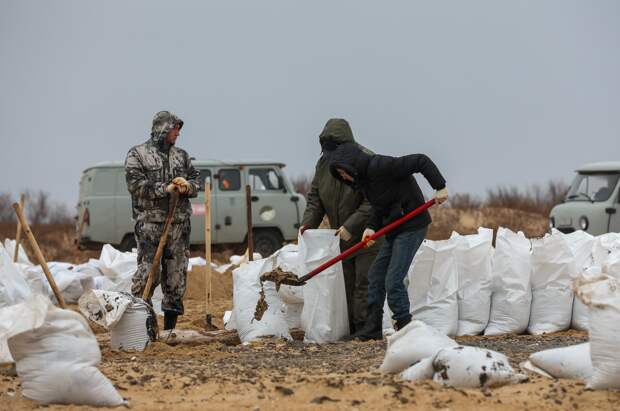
(464, 201)
(533, 199)
(37, 207)
(302, 184)
(6, 209)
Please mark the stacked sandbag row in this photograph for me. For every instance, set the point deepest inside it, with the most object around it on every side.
(464, 286)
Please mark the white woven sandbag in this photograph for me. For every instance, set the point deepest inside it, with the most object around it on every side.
(473, 367)
(512, 293)
(553, 268)
(474, 255)
(433, 286)
(411, 344)
(324, 317)
(602, 296)
(571, 362)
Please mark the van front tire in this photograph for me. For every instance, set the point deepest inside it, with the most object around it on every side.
(267, 241)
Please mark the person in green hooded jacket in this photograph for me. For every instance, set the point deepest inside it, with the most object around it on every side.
(348, 212)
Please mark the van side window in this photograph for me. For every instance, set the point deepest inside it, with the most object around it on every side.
(205, 174)
(265, 179)
(229, 179)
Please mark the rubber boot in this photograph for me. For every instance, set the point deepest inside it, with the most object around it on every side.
(400, 324)
(372, 328)
(170, 320)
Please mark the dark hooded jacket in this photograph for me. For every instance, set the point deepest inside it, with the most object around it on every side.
(342, 204)
(388, 183)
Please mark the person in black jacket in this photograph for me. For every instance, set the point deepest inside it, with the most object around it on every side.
(388, 184)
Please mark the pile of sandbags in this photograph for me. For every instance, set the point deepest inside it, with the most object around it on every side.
(56, 354)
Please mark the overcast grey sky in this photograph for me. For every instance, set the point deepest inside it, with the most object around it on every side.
(496, 92)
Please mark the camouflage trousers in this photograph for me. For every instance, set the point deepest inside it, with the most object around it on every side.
(172, 274)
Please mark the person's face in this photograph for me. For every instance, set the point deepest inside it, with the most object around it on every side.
(344, 175)
(172, 135)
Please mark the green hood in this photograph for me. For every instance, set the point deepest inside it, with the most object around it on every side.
(338, 131)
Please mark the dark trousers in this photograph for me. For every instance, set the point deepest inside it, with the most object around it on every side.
(387, 273)
(356, 283)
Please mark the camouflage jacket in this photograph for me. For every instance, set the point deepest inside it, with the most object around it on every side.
(149, 169)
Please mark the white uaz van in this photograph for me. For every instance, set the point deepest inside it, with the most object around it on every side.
(592, 202)
(105, 204)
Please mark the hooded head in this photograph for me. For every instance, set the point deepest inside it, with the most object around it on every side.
(336, 131)
(350, 158)
(163, 122)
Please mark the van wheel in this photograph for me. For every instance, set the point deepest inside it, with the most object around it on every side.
(267, 242)
(128, 243)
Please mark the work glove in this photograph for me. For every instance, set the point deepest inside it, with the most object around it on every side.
(441, 196)
(367, 233)
(303, 228)
(344, 234)
(182, 184)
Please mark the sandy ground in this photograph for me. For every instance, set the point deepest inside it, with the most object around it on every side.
(280, 375)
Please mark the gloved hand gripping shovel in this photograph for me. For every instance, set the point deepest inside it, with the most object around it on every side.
(280, 277)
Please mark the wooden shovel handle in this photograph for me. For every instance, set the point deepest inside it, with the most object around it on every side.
(160, 248)
(38, 254)
(18, 234)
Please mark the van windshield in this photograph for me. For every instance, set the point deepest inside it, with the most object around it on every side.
(593, 187)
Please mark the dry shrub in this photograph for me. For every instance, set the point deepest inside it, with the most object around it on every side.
(302, 184)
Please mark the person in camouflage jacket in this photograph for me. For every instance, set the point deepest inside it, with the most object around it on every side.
(154, 170)
(348, 212)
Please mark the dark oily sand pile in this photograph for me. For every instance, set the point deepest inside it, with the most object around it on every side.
(261, 304)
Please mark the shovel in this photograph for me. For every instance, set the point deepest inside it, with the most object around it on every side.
(146, 295)
(278, 276)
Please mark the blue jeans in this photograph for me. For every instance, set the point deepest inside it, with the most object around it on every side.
(388, 272)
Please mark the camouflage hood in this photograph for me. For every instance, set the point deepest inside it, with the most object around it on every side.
(336, 131)
(163, 122)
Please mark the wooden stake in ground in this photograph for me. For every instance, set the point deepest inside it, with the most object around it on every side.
(160, 247)
(18, 233)
(248, 206)
(38, 254)
(209, 284)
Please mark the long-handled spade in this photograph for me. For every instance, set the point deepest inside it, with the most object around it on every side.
(146, 295)
(279, 276)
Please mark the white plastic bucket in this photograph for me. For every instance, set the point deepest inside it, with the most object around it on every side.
(130, 333)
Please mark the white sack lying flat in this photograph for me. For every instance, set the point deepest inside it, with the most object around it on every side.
(56, 355)
(552, 275)
(602, 296)
(472, 367)
(324, 316)
(411, 344)
(474, 255)
(246, 289)
(433, 286)
(512, 293)
(567, 362)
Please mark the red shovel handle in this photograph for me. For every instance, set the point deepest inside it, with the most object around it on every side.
(388, 228)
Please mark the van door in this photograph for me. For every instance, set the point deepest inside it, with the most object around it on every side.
(272, 205)
(198, 211)
(231, 222)
(124, 213)
(102, 207)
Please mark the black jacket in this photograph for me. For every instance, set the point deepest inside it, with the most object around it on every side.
(388, 183)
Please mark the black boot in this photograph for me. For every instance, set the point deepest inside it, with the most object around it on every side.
(170, 320)
(400, 324)
(372, 328)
